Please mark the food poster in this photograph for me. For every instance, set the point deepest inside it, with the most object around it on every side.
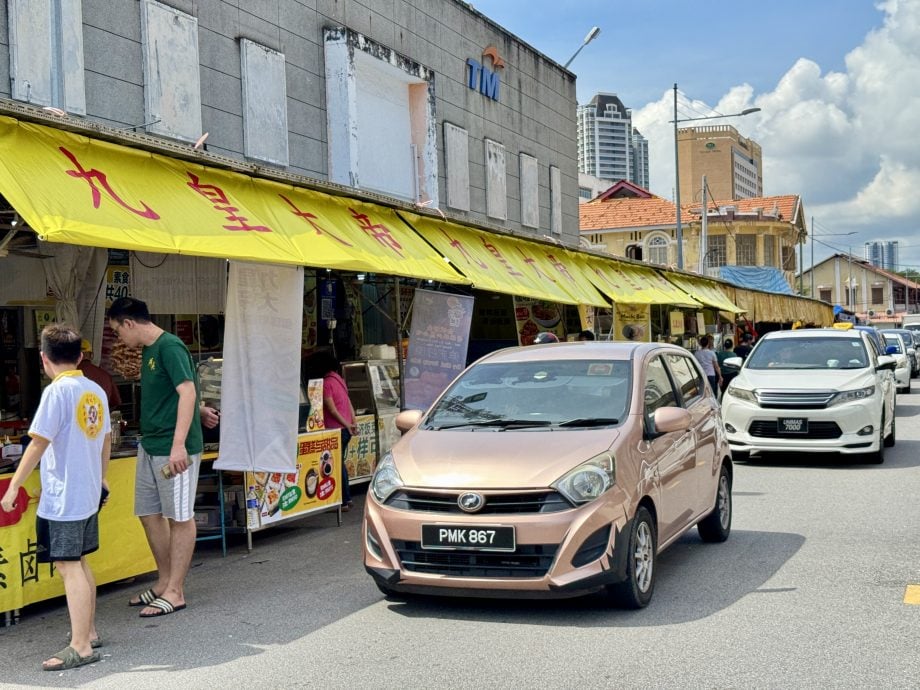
(535, 316)
(361, 456)
(631, 322)
(438, 342)
(314, 485)
(308, 340)
(315, 420)
(676, 321)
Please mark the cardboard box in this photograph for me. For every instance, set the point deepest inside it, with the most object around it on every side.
(207, 517)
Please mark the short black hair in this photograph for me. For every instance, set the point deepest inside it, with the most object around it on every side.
(727, 344)
(320, 363)
(129, 308)
(586, 335)
(60, 343)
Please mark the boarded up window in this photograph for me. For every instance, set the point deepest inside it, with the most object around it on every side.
(788, 258)
(172, 83)
(746, 250)
(769, 250)
(824, 294)
(878, 295)
(496, 190)
(457, 152)
(530, 192)
(265, 128)
(46, 53)
(555, 200)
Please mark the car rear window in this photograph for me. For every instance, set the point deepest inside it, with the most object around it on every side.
(551, 392)
(809, 353)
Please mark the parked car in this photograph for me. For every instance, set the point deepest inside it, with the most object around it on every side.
(908, 337)
(812, 390)
(896, 346)
(551, 471)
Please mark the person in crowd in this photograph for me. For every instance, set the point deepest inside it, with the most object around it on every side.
(745, 346)
(545, 337)
(99, 375)
(585, 335)
(71, 436)
(338, 412)
(169, 454)
(721, 356)
(710, 363)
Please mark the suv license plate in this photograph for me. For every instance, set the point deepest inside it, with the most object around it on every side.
(793, 425)
(468, 538)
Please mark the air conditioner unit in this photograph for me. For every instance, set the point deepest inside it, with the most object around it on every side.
(871, 312)
(889, 312)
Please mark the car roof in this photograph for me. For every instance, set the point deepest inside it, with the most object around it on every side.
(585, 349)
(812, 332)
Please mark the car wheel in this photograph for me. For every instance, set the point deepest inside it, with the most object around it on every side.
(716, 526)
(891, 438)
(635, 592)
(878, 457)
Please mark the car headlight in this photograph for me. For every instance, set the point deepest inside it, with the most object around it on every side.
(386, 479)
(589, 480)
(741, 393)
(850, 396)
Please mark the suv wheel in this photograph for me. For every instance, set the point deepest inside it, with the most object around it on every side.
(878, 457)
(635, 592)
(890, 438)
(716, 526)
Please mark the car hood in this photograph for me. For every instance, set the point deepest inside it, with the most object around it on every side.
(807, 379)
(495, 459)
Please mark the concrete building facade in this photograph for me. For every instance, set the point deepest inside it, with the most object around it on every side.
(421, 101)
(733, 164)
(609, 147)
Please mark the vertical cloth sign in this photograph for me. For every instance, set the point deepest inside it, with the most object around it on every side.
(260, 387)
(438, 341)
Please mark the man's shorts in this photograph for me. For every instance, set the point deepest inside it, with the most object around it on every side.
(66, 540)
(154, 494)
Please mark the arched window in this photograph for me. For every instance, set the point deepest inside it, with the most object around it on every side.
(634, 252)
(657, 250)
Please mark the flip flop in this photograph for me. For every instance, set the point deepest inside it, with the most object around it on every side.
(70, 658)
(144, 598)
(163, 607)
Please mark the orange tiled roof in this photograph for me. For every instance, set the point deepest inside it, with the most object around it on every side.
(629, 213)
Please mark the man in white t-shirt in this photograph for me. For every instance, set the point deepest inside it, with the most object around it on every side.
(71, 436)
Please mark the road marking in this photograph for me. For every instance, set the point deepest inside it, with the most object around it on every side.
(912, 595)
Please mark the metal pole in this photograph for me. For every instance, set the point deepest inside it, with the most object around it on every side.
(679, 231)
(801, 262)
(399, 340)
(704, 231)
(812, 257)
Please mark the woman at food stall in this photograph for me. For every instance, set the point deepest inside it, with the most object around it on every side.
(338, 412)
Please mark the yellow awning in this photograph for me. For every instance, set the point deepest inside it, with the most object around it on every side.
(705, 291)
(628, 284)
(509, 265)
(77, 190)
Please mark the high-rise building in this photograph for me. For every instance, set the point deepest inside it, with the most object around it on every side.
(609, 146)
(882, 254)
(732, 164)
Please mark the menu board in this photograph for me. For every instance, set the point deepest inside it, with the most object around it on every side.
(272, 497)
(534, 316)
(361, 457)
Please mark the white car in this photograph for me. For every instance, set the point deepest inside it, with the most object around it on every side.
(812, 390)
(895, 347)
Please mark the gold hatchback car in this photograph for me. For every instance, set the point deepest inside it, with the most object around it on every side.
(551, 471)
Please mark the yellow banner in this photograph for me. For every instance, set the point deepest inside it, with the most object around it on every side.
(628, 284)
(316, 484)
(123, 550)
(361, 458)
(510, 265)
(77, 190)
(705, 291)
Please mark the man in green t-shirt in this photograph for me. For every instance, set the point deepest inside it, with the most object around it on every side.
(169, 453)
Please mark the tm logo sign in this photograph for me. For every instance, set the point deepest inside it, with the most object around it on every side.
(480, 78)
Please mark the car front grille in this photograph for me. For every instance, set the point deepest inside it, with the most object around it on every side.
(816, 430)
(495, 504)
(527, 560)
(794, 400)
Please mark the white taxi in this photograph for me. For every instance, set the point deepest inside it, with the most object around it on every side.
(812, 390)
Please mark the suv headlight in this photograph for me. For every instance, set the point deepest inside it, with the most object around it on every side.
(589, 480)
(386, 479)
(741, 393)
(850, 396)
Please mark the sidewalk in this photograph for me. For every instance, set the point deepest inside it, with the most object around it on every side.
(298, 578)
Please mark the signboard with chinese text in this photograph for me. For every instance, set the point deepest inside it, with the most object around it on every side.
(676, 320)
(361, 456)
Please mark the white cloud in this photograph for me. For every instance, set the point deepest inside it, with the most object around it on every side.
(848, 143)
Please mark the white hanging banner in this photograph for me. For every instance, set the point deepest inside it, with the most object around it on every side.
(178, 284)
(260, 387)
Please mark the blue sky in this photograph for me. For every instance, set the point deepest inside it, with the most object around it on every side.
(838, 82)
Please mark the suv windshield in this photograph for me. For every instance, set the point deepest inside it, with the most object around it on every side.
(809, 353)
(566, 394)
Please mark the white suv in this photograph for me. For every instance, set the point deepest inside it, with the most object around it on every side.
(813, 390)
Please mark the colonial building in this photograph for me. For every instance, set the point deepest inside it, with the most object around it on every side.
(632, 222)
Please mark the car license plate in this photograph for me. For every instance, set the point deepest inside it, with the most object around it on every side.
(793, 425)
(478, 538)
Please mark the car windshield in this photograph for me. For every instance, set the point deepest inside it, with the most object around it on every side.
(809, 353)
(551, 394)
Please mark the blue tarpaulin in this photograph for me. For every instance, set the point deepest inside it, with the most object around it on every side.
(757, 278)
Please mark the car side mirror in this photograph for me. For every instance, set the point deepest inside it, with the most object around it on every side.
(733, 362)
(886, 363)
(668, 419)
(407, 419)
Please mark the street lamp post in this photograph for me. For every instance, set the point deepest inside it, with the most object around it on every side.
(592, 34)
(679, 229)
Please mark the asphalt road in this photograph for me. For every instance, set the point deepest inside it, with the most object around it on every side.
(809, 591)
